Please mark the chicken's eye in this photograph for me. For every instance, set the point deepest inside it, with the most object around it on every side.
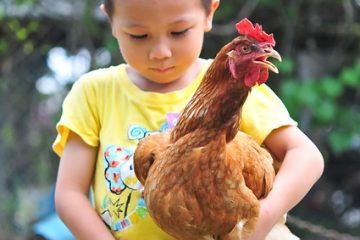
(245, 49)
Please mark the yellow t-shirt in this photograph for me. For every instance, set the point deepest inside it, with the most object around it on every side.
(109, 112)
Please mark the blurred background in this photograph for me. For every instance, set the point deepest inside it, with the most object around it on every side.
(45, 45)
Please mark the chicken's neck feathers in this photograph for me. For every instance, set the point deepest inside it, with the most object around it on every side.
(216, 104)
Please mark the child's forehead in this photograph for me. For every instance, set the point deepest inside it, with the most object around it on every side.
(132, 11)
(153, 4)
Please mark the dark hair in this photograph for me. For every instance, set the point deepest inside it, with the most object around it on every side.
(109, 6)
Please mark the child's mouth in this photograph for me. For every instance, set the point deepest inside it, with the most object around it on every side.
(162, 69)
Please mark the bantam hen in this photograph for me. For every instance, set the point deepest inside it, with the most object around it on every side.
(204, 177)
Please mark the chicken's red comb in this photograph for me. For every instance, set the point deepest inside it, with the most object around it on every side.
(245, 27)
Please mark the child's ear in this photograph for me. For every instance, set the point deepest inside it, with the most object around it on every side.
(210, 15)
(103, 10)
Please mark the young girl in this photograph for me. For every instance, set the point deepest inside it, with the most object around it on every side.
(109, 110)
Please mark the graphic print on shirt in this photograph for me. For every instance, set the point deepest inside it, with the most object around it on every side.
(123, 205)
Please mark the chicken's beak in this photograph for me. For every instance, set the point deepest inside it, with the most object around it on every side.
(262, 60)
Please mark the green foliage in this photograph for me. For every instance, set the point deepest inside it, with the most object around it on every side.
(29, 2)
(228, 11)
(7, 135)
(328, 101)
(3, 46)
(270, 2)
(111, 45)
(21, 33)
(286, 66)
(88, 21)
(2, 14)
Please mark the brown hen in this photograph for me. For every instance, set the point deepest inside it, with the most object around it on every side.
(204, 177)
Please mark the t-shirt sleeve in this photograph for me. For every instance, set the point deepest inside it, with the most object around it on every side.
(79, 114)
(263, 112)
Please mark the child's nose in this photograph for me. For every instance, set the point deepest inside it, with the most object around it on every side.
(160, 50)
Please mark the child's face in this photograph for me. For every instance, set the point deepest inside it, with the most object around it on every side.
(160, 39)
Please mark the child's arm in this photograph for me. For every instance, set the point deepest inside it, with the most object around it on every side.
(72, 187)
(302, 166)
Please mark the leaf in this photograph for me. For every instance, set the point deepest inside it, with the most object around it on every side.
(288, 93)
(33, 26)
(4, 46)
(286, 66)
(289, 87)
(357, 69)
(21, 34)
(339, 141)
(348, 77)
(325, 111)
(308, 94)
(111, 45)
(7, 135)
(331, 87)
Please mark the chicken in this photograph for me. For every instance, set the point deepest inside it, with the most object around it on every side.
(204, 178)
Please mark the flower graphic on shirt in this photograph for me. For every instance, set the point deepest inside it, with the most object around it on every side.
(119, 169)
(121, 208)
(123, 205)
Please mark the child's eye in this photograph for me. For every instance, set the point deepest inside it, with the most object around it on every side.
(180, 33)
(138, 37)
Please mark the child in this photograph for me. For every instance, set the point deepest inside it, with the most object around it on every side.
(109, 110)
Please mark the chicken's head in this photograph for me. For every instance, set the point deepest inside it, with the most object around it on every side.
(249, 52)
